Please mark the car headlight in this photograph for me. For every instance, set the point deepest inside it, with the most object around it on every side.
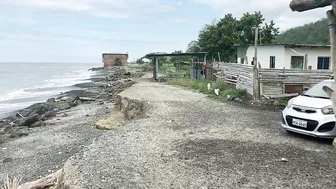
(328, 110)
(289, 103)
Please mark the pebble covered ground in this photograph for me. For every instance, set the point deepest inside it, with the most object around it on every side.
(190, 141)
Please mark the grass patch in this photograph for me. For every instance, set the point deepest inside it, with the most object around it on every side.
(283, 102)
(202, 87)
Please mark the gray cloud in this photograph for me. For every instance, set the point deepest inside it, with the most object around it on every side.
(277, 10)
(98, 8)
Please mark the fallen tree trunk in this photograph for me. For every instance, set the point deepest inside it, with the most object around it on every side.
(304, 5)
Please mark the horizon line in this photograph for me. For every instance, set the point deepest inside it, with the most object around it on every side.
(58, 62)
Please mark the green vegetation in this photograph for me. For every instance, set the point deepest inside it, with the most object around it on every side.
(174, 67)
(221, 36)
(146, 67)
(139, 61)
(313, 33)
(282, 101)
(202, 87)
(117, 62)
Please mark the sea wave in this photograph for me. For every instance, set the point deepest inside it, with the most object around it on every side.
(52, 86)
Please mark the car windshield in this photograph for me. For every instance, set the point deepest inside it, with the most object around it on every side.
(317, 90)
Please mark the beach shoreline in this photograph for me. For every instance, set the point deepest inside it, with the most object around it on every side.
(25, 84)
(61, 126)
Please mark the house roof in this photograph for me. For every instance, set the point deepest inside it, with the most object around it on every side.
(115, 53)
(175, 54)
(286, 45)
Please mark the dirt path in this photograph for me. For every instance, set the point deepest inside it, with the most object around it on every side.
(190, 141)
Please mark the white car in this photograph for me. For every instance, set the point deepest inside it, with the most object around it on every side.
(311, 113)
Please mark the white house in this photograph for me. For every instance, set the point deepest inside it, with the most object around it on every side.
(289, 56)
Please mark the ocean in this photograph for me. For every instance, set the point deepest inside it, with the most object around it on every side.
(23, 84)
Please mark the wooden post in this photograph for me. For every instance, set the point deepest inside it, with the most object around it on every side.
(332, 32)
(154, 68)
(283, 84)
(256, 86)
(157, 68)
(219, 57)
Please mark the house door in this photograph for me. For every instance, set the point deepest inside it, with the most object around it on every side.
(297, 62)
(323, 63)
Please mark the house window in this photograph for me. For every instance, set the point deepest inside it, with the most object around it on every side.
(297, 62)
(242, 60)
(272, 61)
(323, 63)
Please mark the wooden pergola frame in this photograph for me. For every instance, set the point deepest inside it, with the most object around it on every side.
(155, 57)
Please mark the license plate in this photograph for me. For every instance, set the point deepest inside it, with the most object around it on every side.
(299, 123)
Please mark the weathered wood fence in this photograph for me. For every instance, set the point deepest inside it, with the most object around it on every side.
(236, 74)
(273, 82)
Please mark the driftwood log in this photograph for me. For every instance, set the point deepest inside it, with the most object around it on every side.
(304, 5)
(47, 182)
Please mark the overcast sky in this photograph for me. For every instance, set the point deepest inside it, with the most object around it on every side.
(80, 30)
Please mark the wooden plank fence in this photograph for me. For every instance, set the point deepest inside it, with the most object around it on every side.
(290, 81)
(293, 76)
(273, 82)
(236, 74)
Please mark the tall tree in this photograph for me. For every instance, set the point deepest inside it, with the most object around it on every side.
(246, 24)
(221, 36)
(193, 46)
(269, 33)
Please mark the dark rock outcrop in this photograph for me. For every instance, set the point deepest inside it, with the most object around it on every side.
(96, 69)
(28, 121)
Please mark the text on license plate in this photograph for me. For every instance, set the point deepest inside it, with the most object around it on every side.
(299, 123)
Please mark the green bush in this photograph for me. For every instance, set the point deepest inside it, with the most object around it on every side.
(117, 61)
(146, 67)
(202, 87)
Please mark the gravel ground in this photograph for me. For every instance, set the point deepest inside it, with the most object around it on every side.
(46, 149)
(191, 141)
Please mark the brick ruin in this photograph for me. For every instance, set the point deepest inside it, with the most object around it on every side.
(109, 59)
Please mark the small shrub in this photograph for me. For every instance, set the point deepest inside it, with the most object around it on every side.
(233, 92)
(283, 102)
(117, 61)
(146, 67)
